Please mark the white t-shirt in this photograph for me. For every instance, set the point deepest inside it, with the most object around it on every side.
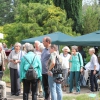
(65, 60)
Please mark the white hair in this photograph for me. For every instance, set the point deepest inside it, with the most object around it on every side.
(92, 50)
(41, 46)
(18, 44)
(37, 42)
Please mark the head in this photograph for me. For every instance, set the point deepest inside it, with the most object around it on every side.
(74, 49)
(36, 45)
(91, 51)
(80, 48)
(46, 41)
(17, 46)
(66, 49)
(29, 48)
(52, 48)
(41, 47)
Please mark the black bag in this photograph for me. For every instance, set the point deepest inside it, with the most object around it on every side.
(59, 80)
(57, 68)
(31, 73)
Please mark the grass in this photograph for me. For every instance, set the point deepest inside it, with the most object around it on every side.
(80, 97)
(6, 76)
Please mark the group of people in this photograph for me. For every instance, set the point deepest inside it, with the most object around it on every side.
(43, 55)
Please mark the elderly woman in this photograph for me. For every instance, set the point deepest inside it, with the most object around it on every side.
(55, 88)
(76, 66)
(65, 64)
(93, 70)
(24, 67)
(14, 64)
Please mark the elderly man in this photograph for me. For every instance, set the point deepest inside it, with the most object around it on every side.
(2, 58)
(93, 69)
(44, 58)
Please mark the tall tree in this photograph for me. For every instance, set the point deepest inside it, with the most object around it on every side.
(74, 11)
(6, 11)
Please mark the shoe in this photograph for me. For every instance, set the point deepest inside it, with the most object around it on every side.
(5, 99)
(12, 94)
(17, 94)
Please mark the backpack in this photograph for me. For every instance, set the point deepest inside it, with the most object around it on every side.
(58, 67)
(31, 73)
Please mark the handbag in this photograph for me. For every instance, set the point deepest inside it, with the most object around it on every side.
(31, 73)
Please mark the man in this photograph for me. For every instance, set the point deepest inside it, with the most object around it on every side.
(93, 69)
(44, 59)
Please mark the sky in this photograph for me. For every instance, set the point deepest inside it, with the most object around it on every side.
(88, 1)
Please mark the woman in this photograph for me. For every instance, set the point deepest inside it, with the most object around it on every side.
(14, 64)
(94, 68)
(55, 89)
(76, 66)
(24, 67)
(65, 64)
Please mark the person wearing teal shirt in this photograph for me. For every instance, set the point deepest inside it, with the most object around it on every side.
(76, 66)
(23, 69)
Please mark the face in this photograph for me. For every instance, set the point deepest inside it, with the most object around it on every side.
(65, 51)
(36, 46)
(17, 47)
(45, 43)
(51, 50)
(90, 52)
(73, 51)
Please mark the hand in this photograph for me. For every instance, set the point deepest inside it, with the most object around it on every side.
(4, 68)
(81, 70)
(94, 72)
(16, 61)
(50, 73)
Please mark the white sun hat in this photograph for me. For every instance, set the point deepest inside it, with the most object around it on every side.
(66, 47)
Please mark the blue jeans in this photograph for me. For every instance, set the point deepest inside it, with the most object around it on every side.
(55, 89)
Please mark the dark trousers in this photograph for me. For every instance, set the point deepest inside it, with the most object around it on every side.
(1, 68)
(15, 81)
(26, 88)
(46, 86)
(93, 81)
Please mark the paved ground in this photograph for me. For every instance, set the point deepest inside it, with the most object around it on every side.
(84, 90)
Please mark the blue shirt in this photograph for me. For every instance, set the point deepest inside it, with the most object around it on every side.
(44, 59)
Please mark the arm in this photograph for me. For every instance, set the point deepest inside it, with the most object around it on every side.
(95, 64)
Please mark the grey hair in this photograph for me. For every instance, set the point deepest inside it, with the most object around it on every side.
(18, 44)
(29, 47)
(75, 47)
(92, 49)
(41, 46)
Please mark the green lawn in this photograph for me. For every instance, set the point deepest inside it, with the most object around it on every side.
(6, 76)
(80, 97)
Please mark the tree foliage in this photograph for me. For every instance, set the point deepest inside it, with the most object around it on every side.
(6, 12)
(91, 19)
(35, 19)
(74, 11)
